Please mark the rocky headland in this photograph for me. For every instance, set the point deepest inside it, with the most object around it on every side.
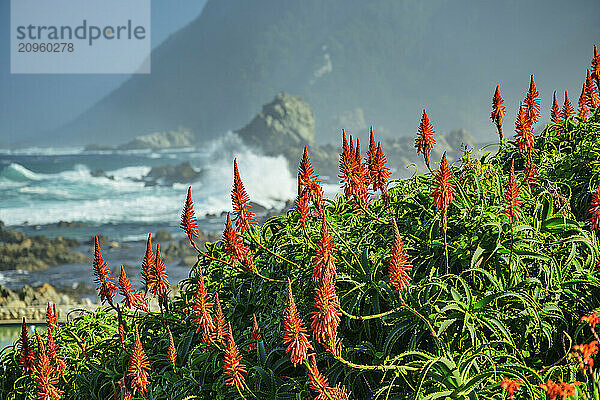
(19, 251)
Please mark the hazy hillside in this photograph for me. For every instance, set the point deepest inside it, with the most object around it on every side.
(339, 55)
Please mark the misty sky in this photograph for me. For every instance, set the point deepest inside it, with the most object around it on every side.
(31, 104)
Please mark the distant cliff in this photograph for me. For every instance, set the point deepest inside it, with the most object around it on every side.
(356, 62)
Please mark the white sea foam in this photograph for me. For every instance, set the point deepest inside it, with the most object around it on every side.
(75, 195)
(18, 173)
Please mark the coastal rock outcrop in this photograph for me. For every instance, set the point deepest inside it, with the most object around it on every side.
(161, 140)
(284, 126)
(19, 251)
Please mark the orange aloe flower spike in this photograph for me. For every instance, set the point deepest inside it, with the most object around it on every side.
(302, 204)
(532, 103)
(371, 160)
(106, 287)
(51, 318)
(219, 333)
(160, 283)
(326, 319)
(584, 353)
(596, 67)
(139, 367)
(510, 386)
(444, 191)
(188, 219)
(591, 92)
(595, 210)
(131, 297)
(255, 335)
(233, 245)
(171, 351)
(56, 360)
(294, 332)
(148, 263)
(232, 363)
(567, 110)
(583, 108)
(46, 381)
(556, 115)
(498, 111)
(425, 141)
(244, 218)
(201, 307)
(398, 266)
(309, 184)
(26, 356)
(511, 203)
(324, 261)
(305, 171)
(524, 134)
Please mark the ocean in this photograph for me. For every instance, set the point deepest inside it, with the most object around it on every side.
(39, 187)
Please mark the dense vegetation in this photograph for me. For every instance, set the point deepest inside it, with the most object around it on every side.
(479, 293)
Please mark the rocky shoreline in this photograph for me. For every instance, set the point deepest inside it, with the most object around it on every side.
(30, 253)
(31, 303)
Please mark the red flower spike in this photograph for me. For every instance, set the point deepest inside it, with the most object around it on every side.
(45, 379)
(346, 159)
(159, 284)
(171, 351)
(26, 356)
(425, 141)
(370, 159)
(530, 171)
(232, 363)
(558, 390)
(309, 184)
(556, 115)
(584, 353)
(255, 335)
(326, 319)
(398, 266)
(148, 263)
(219, 333)
(56, 360)
(188, 220)
(524, 133)
(583, 108)
(444, 191)
(106, 287)
(378, 172)
(595, 210)
(592, 319)
(51, 319)
(498, 111)
(201, 307)
(294, 332)
(131, 297)
(511, 197)
(305, 171)
(567, 110)
(234, 247)
(139, 367)
(302, 204)
(596, 67)
(590, 92)
(324, 261)
(532, 104)
(510, 386)
(244, 218)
